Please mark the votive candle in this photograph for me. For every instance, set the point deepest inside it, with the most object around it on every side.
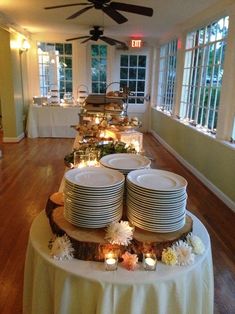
(149, 261)
(111, 261)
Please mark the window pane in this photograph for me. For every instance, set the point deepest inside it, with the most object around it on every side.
(94, 50)
(124, 73)
(103, 51)
(68, 62)
(94, 75)
(133, 61)
(103, 74)
(141, 86)
(141, 74)
(68, 75)
(102, 87)
(68, 49)
(95, 88)
(124, 61)
(142, 61)
(59, 48)
(132, 73)
(68, 86)
(132, 86)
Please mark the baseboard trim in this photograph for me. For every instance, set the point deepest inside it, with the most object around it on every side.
(224, 198)
(13, 139)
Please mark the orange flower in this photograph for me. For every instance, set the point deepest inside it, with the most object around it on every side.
(129, 261)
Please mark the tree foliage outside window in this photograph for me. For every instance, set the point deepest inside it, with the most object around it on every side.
(133, 75)
(167, 76)
(98, 68)
(203, 73)
(55, 67)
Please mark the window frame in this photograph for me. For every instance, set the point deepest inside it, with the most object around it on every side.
(52, 66)
(200, 91)
(101, 83)
(138, 96)
(166, 69)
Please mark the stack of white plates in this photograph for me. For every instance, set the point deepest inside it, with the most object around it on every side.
(93, 196)
(125, 162)
(156, 200)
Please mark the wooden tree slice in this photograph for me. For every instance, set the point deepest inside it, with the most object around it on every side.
(55, 200)
(90, 244)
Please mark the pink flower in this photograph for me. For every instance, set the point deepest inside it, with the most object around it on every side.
(129, 261)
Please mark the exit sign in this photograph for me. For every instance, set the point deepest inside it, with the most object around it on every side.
(136, 43)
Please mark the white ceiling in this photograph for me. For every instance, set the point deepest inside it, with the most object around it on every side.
(168, 15)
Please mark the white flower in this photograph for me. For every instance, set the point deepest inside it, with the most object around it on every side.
(196, 244)
(61, 248)
(184, 253)
(119, 233)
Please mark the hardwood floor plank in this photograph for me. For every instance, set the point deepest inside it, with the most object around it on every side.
(31, 170)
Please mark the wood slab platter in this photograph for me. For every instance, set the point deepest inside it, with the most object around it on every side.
(89, 244)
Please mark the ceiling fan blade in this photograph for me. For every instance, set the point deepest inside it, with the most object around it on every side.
(137, 9)
(108, 40)
(81, 37)
(79, 13)
(65, 5)
(84, 41)
(115, 15)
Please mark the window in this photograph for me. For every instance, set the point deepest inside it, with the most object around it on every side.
(132, 75)
(203, 72)
(55, 67)
(98, 68)
(167, 76)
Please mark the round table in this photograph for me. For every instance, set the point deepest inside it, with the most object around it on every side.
(82, 287)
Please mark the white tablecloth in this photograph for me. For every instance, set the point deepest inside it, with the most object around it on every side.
(81, 287)
(52, 121)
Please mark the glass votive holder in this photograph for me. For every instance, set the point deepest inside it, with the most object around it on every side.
(111, 261)
(149, 261)
(93, 159)
(80, 159)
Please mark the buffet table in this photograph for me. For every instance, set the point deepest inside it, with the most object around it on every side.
(76, 286)
(52, 121)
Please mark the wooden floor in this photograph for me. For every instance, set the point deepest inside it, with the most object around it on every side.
(32, 170)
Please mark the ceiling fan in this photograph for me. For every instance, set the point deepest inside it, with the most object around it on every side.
(95, 34)
(109, 7)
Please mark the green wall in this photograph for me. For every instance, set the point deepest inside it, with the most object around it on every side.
(10, 87)
(212, 158)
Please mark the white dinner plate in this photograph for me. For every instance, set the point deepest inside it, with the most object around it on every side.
(156, 200)
(79, 207)
(156, 217)
(96, 177)
(154, 179)
(95, 216)
(159, 229)
(125, 162)
(90, 223)
(163, 212)
(152, 193)
(86, 199)
(145, 204)
(88, 189)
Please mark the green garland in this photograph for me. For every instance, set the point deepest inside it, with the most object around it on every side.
(103, 150)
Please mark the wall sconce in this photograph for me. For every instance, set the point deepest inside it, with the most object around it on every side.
(25, 45)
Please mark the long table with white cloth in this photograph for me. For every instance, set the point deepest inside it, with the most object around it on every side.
(52, 121)
(84, 287)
